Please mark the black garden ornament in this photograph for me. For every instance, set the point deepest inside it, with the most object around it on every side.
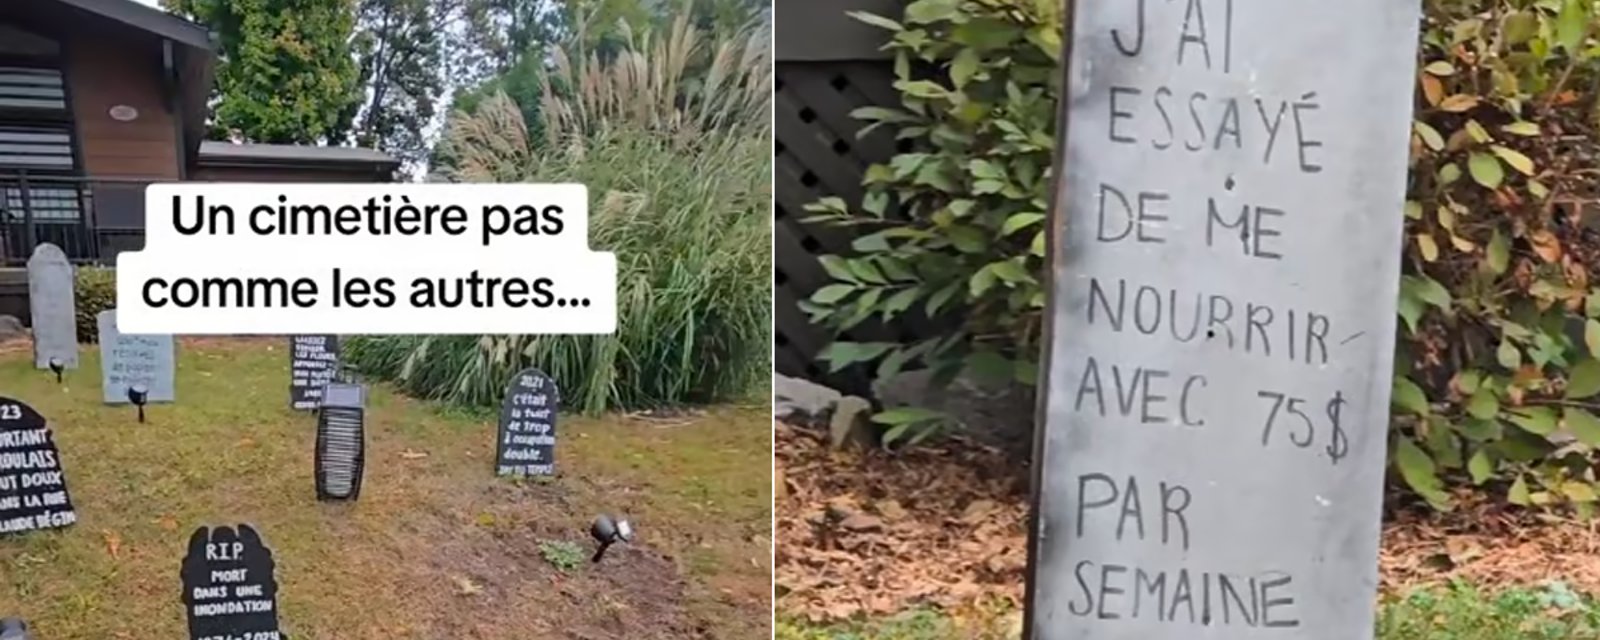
(138, 394)
(341, 441)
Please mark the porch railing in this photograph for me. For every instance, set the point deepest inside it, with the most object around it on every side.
(90, 219)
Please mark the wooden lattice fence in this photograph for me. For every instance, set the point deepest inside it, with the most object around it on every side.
(828, 65)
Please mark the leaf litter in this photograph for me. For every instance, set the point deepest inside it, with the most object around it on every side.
(873, 533)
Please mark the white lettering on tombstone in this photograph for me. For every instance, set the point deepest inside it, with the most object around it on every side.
(527, 425)
(33, 491)
(53, 307)
(1224, 258)
(128, 359)
(313, 365)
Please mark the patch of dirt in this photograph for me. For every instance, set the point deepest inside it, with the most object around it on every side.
(873, 533)
(498, 583)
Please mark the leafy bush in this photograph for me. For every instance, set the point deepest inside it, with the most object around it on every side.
(95, 289)
(1497, 375)
(954, 230)
(1497, 370)
(686, 215)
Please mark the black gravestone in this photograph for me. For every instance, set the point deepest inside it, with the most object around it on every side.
(229, 591)
(527, 444)
(33, 488)
(341, 442)
(313, 364)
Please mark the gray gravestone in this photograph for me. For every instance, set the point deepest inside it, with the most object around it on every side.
(1224, 270)
(127, 360)
(54, 307)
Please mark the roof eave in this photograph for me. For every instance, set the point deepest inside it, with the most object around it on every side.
(226, 162)
(151, 20)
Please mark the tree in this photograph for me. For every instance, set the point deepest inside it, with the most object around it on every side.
(400, 54)
(286, 74)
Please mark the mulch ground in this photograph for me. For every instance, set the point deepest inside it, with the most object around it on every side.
(873, 533)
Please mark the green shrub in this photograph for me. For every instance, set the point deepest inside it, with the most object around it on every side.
(968, 243)
(1497, 370)
(683, 202)
(1497, 379)
(564, 555)
(96, 290)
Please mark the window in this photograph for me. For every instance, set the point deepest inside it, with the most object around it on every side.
(31, 88)
(44, 148)
(42, 198)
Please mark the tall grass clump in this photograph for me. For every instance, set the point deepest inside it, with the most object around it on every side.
(671, 138)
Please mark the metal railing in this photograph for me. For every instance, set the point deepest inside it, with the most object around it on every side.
(90, 219)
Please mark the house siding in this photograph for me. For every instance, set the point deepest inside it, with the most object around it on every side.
(106, 72)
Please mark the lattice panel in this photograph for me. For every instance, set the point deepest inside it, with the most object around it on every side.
(818, 154)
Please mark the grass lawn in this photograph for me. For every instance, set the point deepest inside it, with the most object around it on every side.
(436, 547)
(1457, 612)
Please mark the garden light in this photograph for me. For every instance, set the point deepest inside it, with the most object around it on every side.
(608, 531)
(137, 394)
(14, 629)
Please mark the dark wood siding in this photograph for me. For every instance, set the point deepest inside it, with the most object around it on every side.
(103, 73)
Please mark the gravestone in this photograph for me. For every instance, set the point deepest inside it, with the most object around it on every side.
(1224, 265)
(313, 364)
(128, 359)
(527, 443)
(341, 442)
(53, 304)
(229, 590)
(33, 487)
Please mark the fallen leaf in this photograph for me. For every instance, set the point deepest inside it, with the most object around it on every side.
(1546, 245)
(891, 509)
(861, 523)
(977, 511)
(167, 522)
(113, 542)
(466, 587)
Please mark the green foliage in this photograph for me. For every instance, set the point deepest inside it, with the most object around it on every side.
(95, 290)
(1462, 612)
(911, 625)
(286, 75)
(1497, 381)
(1497, 375)
(564, 555)
(687, 218)
(1459, 611)
(955, 229)
(400, 49)
(669, 79)
(500, 35)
